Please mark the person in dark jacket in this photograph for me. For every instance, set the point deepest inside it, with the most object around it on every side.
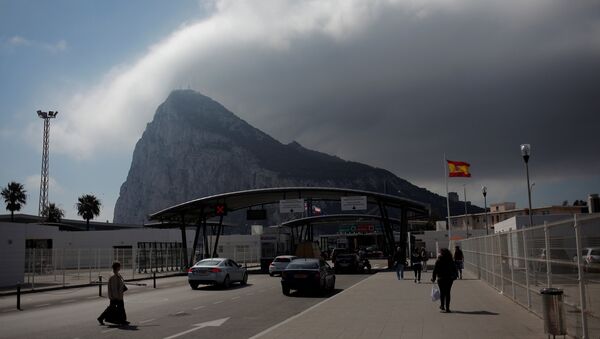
(115, 312)
(399, 263)
(459, 260)
(445, 273)
(417, 264)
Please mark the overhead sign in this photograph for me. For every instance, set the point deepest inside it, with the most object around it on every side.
(360, 228)
(354, 203)
(291, 206)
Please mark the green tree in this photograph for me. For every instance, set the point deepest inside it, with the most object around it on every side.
(14, 196)
(88, 207)
(53, 213)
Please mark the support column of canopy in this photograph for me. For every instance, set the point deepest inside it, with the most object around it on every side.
(389, 234)
(219, 231)
(201, 220)
(185, 262)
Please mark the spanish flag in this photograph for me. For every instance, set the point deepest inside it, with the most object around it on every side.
(458, 169)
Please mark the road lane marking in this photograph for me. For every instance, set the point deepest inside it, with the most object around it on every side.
(180, 312)
(42, 305)
(234, 298)
(197, 308)
(146, 321)
(217, 302)
(214, 323)
(112, 329)
(306, 310)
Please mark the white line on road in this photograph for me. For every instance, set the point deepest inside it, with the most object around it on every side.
(112, 329)
(146, 321)
(217, 302)
(306, 311)
(42, 305)
(197, 308)
(180, 312)
(234, 298)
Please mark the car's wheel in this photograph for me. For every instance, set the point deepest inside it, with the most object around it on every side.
(194, 285)
(285, 290)
(244, 279)
(271, 273)
(226, 282)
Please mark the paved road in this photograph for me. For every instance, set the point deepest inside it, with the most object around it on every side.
(170, 310)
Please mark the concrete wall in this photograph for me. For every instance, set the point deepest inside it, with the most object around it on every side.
(12, 254)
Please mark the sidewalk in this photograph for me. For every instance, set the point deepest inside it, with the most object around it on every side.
(383, 307)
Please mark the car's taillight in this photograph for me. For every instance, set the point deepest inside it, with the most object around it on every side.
(215, 270)
(190, 270)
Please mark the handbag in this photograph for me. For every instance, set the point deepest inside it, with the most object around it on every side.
(435, 293)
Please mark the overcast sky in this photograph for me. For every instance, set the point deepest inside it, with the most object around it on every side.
(394, 84)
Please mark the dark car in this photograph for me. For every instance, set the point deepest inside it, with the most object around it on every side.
(307, 274)
(347, 262)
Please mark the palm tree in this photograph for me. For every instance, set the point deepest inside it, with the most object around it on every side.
(53, 213)
(14, 196)
(88, 207)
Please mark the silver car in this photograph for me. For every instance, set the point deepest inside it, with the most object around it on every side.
(216, 271)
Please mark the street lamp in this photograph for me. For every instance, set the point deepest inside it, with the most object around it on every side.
(484, 192)
(526, 152)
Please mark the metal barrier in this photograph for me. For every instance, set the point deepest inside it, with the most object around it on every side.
(519, 263)
(64, 267)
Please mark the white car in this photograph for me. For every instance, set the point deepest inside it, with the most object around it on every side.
(280, 263)
(216, 271)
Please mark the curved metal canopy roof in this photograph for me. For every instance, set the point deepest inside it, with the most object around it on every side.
(331, 218)
(204, 207)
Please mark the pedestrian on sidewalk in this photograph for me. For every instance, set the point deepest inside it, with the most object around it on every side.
(459, 260)
(445, 273)
(425, 257)
(115, 312)
(416, 260)
(399, 263)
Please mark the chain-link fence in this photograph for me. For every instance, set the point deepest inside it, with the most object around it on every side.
(64, 267)
(563, 255)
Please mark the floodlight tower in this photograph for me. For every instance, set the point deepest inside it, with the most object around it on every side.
(45, 150)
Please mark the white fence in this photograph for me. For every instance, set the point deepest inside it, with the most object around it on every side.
(517, 264)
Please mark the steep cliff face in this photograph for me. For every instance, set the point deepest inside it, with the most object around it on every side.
(195, 147)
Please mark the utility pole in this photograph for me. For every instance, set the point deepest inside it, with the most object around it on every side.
(45, 152)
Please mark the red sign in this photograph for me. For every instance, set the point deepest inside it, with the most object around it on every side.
(221, 210)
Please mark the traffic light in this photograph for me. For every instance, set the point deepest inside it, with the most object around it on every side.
(220, 210)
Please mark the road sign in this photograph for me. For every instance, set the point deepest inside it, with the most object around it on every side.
(220, 210)
(354, 203)
(291, 206)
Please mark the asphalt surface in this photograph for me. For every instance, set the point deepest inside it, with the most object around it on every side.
(173, 310)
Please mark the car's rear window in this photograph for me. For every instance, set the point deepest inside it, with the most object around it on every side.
(300, 264)
(282, 260)
(208, 262)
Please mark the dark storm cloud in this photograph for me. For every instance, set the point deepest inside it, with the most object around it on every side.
(473, 83)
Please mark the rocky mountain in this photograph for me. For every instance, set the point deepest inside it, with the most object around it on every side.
(195, 147)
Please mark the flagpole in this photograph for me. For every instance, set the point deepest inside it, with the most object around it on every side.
(445, 163)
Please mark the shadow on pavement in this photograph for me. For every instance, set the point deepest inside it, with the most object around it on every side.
(476, 312)
(125, 327)
(234, 286)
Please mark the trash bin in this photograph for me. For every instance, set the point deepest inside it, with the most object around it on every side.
(553, 311)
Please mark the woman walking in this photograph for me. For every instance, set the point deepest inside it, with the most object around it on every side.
(115, 312)
(459, 259)
(445, 273)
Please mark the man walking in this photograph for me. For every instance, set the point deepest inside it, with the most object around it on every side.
(115, 312)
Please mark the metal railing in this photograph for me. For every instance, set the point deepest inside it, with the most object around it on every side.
(64, 267)
(517, 264)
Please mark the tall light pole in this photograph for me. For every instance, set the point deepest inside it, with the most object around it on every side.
(45, 161)
(466, 221)
(484, 192)
(526, 152)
